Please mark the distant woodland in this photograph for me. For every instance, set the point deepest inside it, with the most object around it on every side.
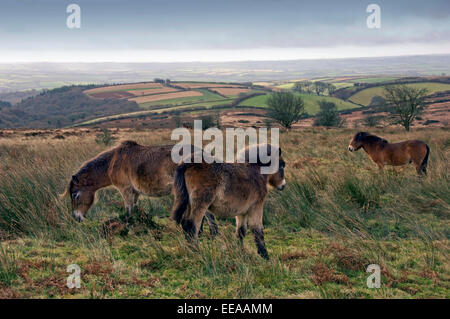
(60, 107)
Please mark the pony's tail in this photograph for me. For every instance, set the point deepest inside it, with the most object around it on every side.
(423, 166)
(181, 194)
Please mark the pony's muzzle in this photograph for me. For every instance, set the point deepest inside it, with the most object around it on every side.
(350, 148)
(78, 216)
(282, 186)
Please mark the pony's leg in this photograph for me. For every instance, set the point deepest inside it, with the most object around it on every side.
(209, 218)
(213, 229)
(129, 198)
(241, 228)
(419, 169)
(200, 231)
(191, 224)
(256, 226)
(135, 198)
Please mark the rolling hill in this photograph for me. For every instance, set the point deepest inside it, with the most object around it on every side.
(61, 107)
(311, 102)
(90, 105)
(365, 96)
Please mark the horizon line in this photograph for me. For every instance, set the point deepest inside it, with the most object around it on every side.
(224, 61)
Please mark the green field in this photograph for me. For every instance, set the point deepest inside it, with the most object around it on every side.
(341, 85)
(365, 96)
(206, 97)
(286, 86)
(374, 79)
(311, 102)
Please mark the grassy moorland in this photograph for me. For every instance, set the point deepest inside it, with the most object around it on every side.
(337, 215)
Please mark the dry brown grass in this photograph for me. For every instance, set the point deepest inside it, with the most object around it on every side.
(322, 274)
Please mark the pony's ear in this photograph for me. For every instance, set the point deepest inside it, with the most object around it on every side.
(75, 179)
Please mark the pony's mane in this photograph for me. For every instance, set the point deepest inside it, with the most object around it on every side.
(102, 160)
(369, 138)
(128, 143)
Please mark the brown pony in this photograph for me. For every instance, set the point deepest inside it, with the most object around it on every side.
(131, 168)
(226, 190)
(396, 154)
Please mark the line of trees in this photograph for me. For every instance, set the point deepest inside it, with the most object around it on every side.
(403, 102)
(317, 87)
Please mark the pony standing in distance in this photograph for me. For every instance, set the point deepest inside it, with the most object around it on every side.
(226, 190)
(131, 168)
(396, 154)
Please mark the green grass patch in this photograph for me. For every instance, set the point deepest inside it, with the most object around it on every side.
(374, 79)
(311, 102)
(207, 97)
(364, 97)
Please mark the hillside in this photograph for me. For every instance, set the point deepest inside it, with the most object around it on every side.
(365, 96)
(311, 102)
(60, 107)
(145, 102)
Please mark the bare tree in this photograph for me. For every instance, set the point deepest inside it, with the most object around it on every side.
(285, 108)
(407, 102)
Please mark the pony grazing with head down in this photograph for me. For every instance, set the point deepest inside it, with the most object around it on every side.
(384, 153)
(226, 190)
(131, 168)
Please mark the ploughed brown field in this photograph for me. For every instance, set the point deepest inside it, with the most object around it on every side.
(152, 91)
(124, 87)
(112, 95)
(168, 96)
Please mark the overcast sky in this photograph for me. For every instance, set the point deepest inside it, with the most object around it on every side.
(213, 30)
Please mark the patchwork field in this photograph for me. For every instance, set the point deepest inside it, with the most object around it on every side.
(337, 215)
(173, 94)
(125, 101)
